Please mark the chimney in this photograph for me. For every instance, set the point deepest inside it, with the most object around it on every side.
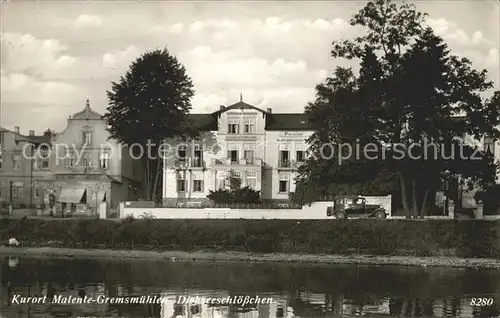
(32, 132)
(269, 110)
(16, 129)
(222, 107)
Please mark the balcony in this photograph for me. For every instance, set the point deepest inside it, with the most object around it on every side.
(189, 163)
(181, 164)
(289, 164)
(82, 170)
(242, 162)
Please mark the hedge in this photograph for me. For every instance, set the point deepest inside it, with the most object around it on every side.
(476, 238)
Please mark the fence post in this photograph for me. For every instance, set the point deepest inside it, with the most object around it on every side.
(479, 210)
(451, 209)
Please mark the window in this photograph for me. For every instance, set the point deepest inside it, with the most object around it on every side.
(1, 159)
(16, 161)
(301, 156)
(195, 310)
(249, 156)
(17, 190)
(43, 159)
(251, 180)
(233, 155)
(104, 160)
(197, 185)
(70, 160)
(37, 191)
(284, 158)
(249, 153)
(233, 129)
(181, 185)
(87, 138)
(489, 145)
(87, 161)
(284, 183)
(198, 156)
(182, 152)
(249, 125)
(233, 125)
(2, 185)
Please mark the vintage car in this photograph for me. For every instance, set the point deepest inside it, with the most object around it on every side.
(355, 207)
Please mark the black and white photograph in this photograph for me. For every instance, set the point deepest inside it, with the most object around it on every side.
(249, 159)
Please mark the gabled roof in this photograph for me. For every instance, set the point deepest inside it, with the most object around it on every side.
(297, 121)
(240, 105)
(87, 113)
(288, 122)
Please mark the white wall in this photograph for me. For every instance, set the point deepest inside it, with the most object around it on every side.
(317, 210)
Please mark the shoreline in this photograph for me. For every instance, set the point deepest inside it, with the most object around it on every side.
(232, 256)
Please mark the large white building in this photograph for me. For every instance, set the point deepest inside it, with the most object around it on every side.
(264, 149)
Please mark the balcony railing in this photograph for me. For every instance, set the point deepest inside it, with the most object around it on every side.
(290, 164)
(247, 162)
(181, 164)
(82, 170)
(189, 163)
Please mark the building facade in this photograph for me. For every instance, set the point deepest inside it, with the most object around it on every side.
(89, 168)
(20, 171)
(262, 149)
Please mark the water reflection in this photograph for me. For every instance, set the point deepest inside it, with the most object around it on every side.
(297, 291)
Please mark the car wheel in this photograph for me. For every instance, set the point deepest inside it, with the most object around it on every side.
(380, 215)
(340, 215)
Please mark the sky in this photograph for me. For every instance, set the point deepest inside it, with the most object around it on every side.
(55, 55)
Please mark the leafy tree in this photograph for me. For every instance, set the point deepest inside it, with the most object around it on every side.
(149, 104)
(49, 133)
(404, 100)
(233, 180)
(235, 193)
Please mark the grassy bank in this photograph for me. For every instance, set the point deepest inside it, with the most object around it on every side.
(466, 239)
(232, 256)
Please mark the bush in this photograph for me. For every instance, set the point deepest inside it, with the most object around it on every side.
(391, 237)
(242, 195)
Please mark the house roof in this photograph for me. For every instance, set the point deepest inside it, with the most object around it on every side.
(239, 105)
(87, 113)
(297, 121)
(288, 122)
(38, 139)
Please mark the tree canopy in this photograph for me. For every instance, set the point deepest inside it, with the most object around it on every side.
(150, 103)
(404, 114)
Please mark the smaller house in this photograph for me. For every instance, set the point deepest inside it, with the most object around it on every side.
(90, 168)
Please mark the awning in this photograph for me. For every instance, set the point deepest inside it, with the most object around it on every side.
(71, 195)
(102, 196)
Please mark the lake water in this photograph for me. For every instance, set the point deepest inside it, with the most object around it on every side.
(296, 290)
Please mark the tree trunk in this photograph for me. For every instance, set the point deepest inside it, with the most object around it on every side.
(423, 209)
(147, 181)
(404, 195)
(414, 195)
(155, 183)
